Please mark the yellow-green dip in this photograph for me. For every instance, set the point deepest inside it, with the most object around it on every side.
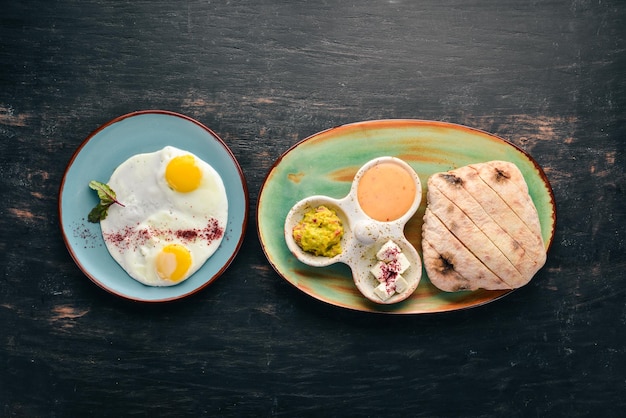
(319, 232)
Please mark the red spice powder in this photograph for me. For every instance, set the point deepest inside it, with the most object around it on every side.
(133, 237)
(389, 271)
(391, 253)
(187, 234)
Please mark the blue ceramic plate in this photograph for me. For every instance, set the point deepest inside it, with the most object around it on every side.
(101, 153)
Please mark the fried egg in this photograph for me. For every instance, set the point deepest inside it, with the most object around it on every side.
(173, 217)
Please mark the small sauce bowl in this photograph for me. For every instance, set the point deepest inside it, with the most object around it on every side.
(364, 236)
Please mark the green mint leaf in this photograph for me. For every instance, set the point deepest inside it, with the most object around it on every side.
(107, 198)
(105, 193)
(98, 213)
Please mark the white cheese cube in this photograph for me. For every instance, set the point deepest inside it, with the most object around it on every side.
(400, 264)
(401, 284)
(383, 292)
(388, 251)
(380, 271)
(385, 272)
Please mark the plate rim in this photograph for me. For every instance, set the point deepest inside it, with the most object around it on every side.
(386, 123)
(244, 221)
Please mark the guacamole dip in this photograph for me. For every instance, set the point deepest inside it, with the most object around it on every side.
(319, 232)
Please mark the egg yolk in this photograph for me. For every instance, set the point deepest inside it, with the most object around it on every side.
(173, 262)
(182, 174)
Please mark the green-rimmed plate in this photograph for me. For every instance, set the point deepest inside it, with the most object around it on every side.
(325, 164)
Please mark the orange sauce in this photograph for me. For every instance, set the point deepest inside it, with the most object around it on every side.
(386, 191)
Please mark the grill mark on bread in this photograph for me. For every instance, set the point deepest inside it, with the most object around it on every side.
(452, 179)
(512, 173)
(442, 270)
(446, 265)
(501, 175)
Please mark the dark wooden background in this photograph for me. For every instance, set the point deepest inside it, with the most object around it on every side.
(550, 76)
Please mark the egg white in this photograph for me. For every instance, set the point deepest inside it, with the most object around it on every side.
(154, 215)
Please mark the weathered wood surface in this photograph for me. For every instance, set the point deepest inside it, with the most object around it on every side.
(548, 76)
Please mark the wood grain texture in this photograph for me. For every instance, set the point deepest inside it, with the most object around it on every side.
(548, 76)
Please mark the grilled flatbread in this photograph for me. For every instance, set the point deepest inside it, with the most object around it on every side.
(481, 229)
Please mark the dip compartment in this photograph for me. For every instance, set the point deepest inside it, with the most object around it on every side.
(366, 282)
(296, 214)
(387, 189)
